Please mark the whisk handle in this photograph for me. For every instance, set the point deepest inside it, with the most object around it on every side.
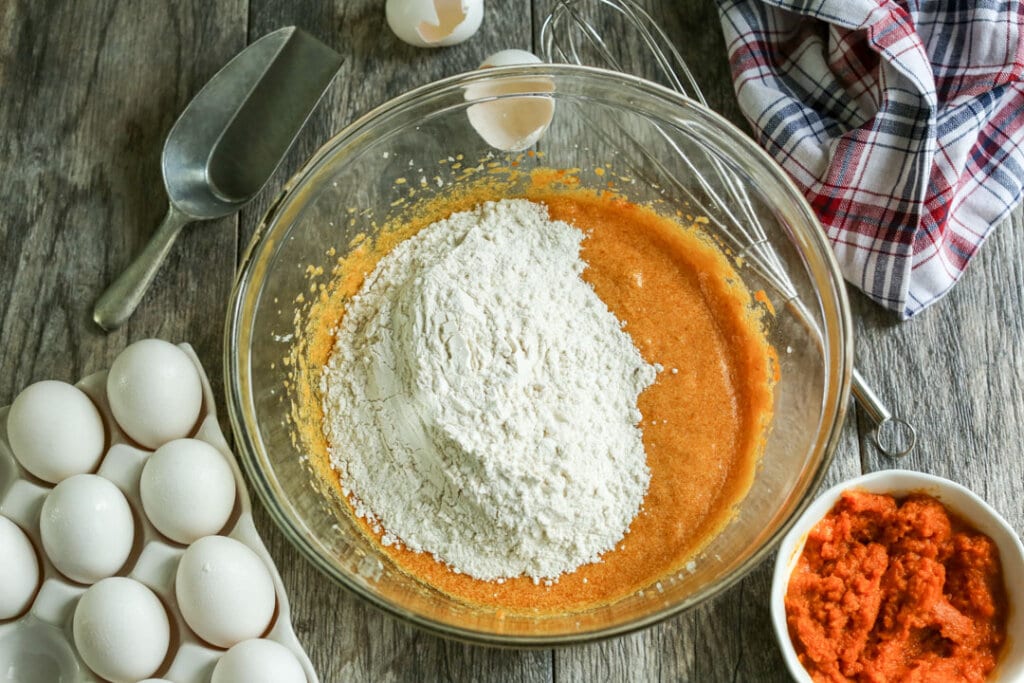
(893, 436)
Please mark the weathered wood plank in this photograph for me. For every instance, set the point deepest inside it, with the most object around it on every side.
(346, 638)
(956, 372)
(89, 93)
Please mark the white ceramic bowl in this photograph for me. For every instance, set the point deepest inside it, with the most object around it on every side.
(960, 501)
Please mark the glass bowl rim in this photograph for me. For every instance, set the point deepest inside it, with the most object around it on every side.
(275, 499)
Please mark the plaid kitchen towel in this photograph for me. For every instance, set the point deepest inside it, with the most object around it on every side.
(901, 120)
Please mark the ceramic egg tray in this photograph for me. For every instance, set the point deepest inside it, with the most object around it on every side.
(39, 644)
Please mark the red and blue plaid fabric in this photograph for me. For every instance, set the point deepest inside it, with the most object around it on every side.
(902, 122)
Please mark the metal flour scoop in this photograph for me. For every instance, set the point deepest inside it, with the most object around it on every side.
(225, 146)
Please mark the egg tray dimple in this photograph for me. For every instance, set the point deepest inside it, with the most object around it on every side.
(39, 644)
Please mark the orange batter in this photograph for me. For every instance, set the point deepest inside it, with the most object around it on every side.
(704, 419)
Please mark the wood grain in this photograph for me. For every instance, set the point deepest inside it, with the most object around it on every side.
(89, 93)
(956, 372)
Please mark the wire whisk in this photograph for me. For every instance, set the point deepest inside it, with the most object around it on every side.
(569, 35)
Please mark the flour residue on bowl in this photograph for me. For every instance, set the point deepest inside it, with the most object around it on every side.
(481, 401)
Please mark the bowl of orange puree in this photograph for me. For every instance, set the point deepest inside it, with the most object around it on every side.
(900, 576)
(736, 300)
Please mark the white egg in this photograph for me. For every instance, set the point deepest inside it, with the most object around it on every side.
(434, 23)
(511, 124)
(258, 661)
(19, 570)
(86, 527)
(121, 630)
(55, 431)
(224, 591)
(187, 490)
(155, 392)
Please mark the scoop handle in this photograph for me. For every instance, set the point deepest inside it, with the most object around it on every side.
(122, 297)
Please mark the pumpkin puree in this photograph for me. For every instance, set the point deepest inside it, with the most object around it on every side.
(896, 590)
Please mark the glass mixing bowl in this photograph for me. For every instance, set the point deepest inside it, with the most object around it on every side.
(656, 147)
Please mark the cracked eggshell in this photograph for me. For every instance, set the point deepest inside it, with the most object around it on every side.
(434, 23)
(511, 124)
(510, 57)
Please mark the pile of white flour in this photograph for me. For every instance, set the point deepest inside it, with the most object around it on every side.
(480, 401)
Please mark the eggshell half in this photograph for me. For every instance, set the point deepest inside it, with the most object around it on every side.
(434, 23)
(510, 57)
(511, 124)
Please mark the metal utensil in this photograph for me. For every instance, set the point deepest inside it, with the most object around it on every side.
(225, 146)
(568, 34)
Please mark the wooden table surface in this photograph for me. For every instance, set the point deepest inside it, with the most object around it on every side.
(89, 90)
